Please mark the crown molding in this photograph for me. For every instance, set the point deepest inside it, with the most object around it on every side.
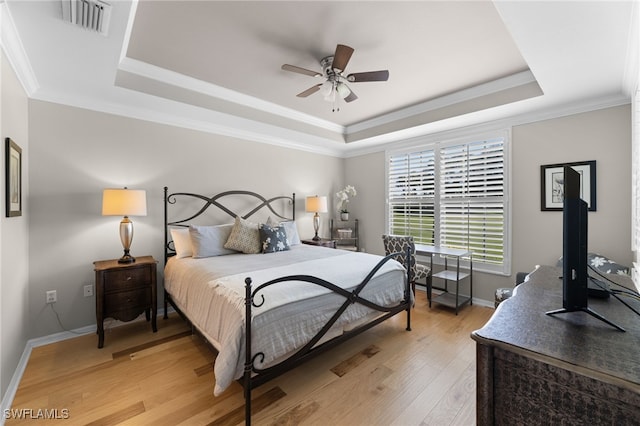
(505, 83)
(182, 81)
(209, 122)
(15, 52)
(445, 128)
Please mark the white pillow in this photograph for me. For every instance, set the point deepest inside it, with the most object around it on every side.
(181, 242)
(289, 227)
(244, 237)
(208, 241)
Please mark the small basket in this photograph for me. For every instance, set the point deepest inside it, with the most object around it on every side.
(344, 233)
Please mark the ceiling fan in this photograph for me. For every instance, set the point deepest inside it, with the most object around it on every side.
(335, 81)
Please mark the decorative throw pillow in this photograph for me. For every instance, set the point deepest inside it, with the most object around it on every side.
(602, 264)
(208, 241)
(181, 242)
(244, 237)
(605, 265)
(273, 238)
(290, 228)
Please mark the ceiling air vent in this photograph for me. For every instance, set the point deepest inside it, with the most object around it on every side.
(93, 15)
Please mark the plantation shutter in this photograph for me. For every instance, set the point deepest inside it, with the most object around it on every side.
(411, 192)
(453, 194)
(472, 198)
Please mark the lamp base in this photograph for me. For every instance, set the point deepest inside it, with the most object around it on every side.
(126, 258)
(316, 238)
(126, 236)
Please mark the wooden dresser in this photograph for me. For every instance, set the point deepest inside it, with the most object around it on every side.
(534, 369)
(124, 291)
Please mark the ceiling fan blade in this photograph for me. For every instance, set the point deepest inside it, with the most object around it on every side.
(299, 70)
(357, 77)
(311, 90)
(341, 57)
(352, 97)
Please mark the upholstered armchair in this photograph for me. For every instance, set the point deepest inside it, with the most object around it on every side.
(399, 244)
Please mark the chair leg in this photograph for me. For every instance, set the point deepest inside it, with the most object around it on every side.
(429, 287)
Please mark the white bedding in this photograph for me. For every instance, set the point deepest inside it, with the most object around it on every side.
(211, 291)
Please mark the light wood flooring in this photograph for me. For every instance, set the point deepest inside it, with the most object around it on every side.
(384, 376)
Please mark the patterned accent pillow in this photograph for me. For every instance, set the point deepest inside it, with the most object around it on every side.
(244, 237)
(273, 238)
(602, 264)
(605, 265)
(290, 228)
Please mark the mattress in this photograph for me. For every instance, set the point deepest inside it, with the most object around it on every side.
(211, 293)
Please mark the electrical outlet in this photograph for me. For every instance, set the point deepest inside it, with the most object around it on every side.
(88, 290)
(52, 296)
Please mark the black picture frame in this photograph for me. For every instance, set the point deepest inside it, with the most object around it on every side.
(551, 184)
(13, 179)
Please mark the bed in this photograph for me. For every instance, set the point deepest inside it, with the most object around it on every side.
(301, 299)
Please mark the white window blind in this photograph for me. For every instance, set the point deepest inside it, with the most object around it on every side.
(411, 180)
(471, 199)
(452, 194)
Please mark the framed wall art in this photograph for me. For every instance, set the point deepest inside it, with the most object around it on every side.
(13, 179)
(552, 181)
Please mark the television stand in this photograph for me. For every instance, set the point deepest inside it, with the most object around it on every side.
(533, 369)
(590, 312)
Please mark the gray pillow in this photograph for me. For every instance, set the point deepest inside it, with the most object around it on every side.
(208, 241)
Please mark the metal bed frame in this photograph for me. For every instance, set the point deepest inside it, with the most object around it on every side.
(254, 376)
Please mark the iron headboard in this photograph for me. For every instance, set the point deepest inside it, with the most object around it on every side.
(216, 202)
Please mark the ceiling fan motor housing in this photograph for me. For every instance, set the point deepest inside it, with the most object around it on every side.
(326, 64)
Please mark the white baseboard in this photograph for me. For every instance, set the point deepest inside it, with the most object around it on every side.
(7, 399)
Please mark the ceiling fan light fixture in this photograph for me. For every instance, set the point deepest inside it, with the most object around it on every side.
(326, 88)
(343, 90)
(335, 87)
(331, 97)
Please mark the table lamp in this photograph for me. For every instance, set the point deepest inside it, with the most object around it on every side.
(125, 202)
(316, 205)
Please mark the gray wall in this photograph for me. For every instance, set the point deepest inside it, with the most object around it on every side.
(14, 279)
(604, 136)
(72, 154)
(76, 153)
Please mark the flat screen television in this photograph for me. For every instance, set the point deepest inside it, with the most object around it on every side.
(575, 276)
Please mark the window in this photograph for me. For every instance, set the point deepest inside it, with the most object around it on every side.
(453, 194)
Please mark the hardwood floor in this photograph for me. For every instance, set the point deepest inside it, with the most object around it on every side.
(386, 376)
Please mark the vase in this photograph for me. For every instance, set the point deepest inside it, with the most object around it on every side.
(344, 216)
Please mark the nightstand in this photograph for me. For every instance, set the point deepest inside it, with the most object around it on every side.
(124, 291)
(321, 242)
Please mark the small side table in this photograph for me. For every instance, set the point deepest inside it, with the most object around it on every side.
(323, 242)
(124, 291)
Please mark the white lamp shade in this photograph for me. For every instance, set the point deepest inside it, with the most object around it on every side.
(343, 90)
(326, 88)
(316, 204)
(124, 202)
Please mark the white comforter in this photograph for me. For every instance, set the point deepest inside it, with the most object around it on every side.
(211, 293)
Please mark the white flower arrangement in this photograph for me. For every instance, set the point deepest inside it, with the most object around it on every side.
(343, 198)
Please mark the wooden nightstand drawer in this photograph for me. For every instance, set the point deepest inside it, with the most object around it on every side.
(127, 305)
(124, 291)
(123, 279)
